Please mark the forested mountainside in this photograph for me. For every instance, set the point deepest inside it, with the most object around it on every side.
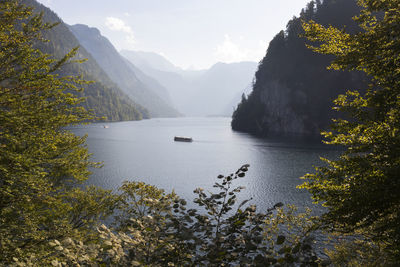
(103, 96)
(293, 91)
(190, 89)
(143, 91)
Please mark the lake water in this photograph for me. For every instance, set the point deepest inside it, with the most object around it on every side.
(145, 151)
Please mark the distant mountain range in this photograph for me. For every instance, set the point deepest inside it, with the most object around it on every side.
(103, 96)
(119, 92)
(201, 92)
(133, 85)
(138, 86)
(150, 60)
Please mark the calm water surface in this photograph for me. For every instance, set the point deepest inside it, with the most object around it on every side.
(145, 151)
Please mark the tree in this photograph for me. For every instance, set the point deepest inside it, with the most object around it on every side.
(41, 162)
(156, 229)
(362, 188)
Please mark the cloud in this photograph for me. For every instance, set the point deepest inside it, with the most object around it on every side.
(229, 51)
(116, 24)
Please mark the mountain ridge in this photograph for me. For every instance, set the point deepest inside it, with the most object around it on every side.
(103, 96)
(121, 73)
(190, 89)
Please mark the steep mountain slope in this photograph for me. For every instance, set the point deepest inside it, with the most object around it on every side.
(169, 77)
(103, 96)
(122, 74)
(155, 86)
(191, 90)
(293, 90)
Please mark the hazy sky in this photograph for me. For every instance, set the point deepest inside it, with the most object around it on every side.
(189, 33)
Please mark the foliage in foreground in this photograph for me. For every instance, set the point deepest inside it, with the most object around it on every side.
(40, 162)
(362, 188)
(157, 229)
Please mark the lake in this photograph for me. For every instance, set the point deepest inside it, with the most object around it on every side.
(145, 151)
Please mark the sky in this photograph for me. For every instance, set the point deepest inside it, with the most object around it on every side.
(192, 34)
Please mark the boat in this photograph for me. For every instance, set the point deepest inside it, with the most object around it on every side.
(106, 126)
(183, 139)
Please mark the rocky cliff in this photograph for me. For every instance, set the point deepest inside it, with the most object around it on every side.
(293, 91)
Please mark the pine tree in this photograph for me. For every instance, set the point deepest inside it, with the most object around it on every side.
(362, 188)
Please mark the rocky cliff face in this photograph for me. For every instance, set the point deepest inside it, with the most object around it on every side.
(280, 115)
(293, 91)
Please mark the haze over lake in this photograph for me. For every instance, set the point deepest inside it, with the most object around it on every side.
(145, 151)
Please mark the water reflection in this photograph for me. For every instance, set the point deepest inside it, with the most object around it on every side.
(145, 151)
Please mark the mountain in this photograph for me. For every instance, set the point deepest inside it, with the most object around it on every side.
(103, 96)
(231, 106)
(150, 60)
(190, 90)
(170, 77)
(219, 85)
(123, 74)
(150, 83)
(293, 91)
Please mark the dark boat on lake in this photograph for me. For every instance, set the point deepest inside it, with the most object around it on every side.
(182, 139)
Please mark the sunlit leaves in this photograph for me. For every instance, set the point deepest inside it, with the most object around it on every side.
(41, 162)
(361, 188)
(223, 231)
